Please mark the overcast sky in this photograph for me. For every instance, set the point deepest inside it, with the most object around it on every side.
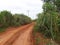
(21, 6)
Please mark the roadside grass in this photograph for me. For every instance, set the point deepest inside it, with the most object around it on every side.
(2, 29)
(37, 41)
(57, 39)
(51, 42)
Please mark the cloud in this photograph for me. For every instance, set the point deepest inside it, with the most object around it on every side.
(21, 6)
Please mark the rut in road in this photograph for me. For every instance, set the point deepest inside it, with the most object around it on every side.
(24, 38)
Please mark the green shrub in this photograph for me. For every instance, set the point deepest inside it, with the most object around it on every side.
(46, 25)
(20, 19)
(5, 18)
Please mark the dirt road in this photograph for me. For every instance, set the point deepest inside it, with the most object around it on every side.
(24, 38)
(17, 36)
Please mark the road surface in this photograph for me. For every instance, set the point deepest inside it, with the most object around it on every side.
(17, 36)
(24, 38)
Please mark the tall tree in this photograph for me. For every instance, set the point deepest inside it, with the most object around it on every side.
(56, 3)
(6, 18)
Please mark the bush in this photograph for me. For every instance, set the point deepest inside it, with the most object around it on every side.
(46, 25)
(21, 19)
(5, 18)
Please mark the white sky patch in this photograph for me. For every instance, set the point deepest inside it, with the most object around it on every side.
(21, 6)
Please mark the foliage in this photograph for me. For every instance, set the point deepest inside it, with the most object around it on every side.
(48, 22)
(2, 29)
(37, 41)
(43, 24)
(5, 18)
(21, 19)
(8, 19)
(51, 42)
(34, 20)
(48, 7)
(56, 3)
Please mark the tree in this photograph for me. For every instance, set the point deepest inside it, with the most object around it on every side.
(56, 3)
(21, 19)
(47, 21)
(5, 18)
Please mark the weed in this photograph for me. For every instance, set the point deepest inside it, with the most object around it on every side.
(37, 41)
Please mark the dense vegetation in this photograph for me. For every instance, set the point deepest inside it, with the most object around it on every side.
(48, 22)
(21, 19)
(8, 19)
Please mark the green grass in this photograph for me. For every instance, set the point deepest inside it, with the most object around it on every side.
(2, 29)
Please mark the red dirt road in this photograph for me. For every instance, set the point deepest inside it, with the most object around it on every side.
(24, 38)
(17, 36)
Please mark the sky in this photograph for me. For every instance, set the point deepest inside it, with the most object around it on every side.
(22, 6)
